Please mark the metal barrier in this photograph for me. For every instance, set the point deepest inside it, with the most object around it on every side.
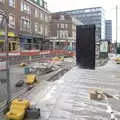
(16, 58)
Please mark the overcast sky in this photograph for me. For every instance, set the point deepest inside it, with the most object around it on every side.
(108, 5)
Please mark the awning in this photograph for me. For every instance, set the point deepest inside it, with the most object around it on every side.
(10, 34)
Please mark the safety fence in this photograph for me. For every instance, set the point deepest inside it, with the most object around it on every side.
(17, 73)
(30, 56)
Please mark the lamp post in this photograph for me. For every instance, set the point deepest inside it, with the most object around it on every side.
(116, 26)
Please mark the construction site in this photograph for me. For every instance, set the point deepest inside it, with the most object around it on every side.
(57, 66)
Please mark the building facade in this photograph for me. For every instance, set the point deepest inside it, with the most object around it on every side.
(108, 30)
(91, 16)
(28, 23)
(62, 31)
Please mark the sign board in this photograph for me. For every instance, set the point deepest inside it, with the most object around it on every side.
(104, 46)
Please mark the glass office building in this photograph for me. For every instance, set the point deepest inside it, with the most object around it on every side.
(91, 16)
(108, 31)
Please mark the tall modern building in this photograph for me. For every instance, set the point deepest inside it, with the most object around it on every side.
(91, 16)
(108, 30)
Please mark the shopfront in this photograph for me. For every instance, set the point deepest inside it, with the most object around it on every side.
(12, 39)
(30, 43)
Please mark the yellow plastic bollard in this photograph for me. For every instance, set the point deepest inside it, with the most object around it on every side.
(22, 64)
(17, 109)
(31, 79)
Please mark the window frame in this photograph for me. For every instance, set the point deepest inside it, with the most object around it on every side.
(12, 3)
(12, 22)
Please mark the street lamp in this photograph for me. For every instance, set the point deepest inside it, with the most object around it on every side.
(116, 27)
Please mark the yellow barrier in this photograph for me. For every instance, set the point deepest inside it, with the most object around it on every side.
(58, 58)
(117, 60)
(61, 58)
(31, 79)
(55, 58)
(22, 64)
(17, 109)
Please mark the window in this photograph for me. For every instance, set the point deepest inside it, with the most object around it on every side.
(46, 18)
(45, 5)
(25, 7)
(41, 16)
(70, 34)
(36, 13)
(36, 27)
(74, 35)
(58, 25)
(2, 1)
(66, 26)
(40, 29)
(12, 3)
(62, 25)
(11, 21)
(50, 17)
(25, 24)
(61, 34)
(58, 34)
(66, 34)
(1, 18)
(73, 27)
(62, 17)
(46, 31)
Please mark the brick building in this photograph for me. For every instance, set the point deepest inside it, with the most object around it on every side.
(28, 24)
(62, 31)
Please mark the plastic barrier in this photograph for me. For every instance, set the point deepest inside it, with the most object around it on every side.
(56, 58)
(17, 109)
(31, 79)
(31, 56)
(22, 64)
